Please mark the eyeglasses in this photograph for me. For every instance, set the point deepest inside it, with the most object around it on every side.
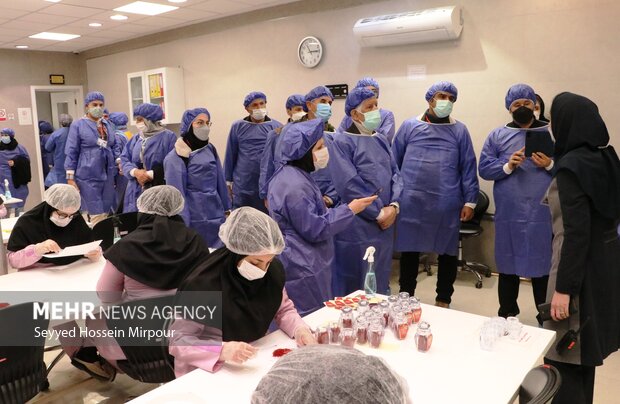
(63, 215)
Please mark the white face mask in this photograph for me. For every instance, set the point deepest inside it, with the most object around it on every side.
(141, 126)
(259, 113)
(250, 272)
(60, 222)
(202, 133)
(298, 116)
(322, 158)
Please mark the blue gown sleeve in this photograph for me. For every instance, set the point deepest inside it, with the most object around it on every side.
(72, 147)
(397, 181)
(232, 150)
(126, 163)
(467, 168)
(348, 183)
(266, 164)
(344, 124)
(50, 145)
(222, 189)
(175, 174)
(399, 144)
(299, 209)
(491, 166)
(388, 126)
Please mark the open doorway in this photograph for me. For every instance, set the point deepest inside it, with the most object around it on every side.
(48, 102)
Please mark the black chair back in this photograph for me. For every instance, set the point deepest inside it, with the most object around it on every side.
(22, 369)
(148, 360)
(104, 230)
(540, 385)
(481, 208)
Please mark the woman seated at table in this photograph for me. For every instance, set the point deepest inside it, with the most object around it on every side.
(50, 226)
(150, 261)
(251, 280)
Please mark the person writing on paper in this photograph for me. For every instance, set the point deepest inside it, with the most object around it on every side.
(584, 199)
(50, 226)
(251, 280)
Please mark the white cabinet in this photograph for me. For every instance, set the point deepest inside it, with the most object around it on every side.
(163, 86)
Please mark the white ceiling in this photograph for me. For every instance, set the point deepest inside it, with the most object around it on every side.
(21, 18)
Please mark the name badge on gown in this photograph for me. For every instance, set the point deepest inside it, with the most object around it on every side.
(102, 143)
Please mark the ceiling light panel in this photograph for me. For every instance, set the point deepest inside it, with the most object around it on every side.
(145, 8)
(54, 36)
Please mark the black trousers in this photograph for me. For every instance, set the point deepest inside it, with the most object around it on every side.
(446, 275)
(577, 383)
(508, 292)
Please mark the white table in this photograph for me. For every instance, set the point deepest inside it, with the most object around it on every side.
(81, 275)
(455, 370)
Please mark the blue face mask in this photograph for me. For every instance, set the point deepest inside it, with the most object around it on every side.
(372, 119)
(443, 108)
(5, 139)
(324, 111)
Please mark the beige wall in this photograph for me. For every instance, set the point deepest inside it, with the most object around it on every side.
(18, 71)
(554, 45)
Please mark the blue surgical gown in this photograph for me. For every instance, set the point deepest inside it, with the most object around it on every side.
(323, 177)
(156, 149)
(438, 166)
(244, 150)
(296, 203)
(387, 125)
(120, 181)
(5, 173)
(268, 165)
(93, 164)
(361, 166)
(200, 179)
(522, 223)
(47, 159)
(56, 147)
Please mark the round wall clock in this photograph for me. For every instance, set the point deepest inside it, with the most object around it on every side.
(310, 51)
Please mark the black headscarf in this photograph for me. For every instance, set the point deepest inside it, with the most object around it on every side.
(581, 147)
(305, 163)
(249, 307)
(541, 114)
(35, 227)
(159, 253)
(9, 146)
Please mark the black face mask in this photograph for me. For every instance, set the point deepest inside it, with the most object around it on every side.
(523, 115)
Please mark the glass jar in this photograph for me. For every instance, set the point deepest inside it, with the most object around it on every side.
(361, 330)
(347, 337)
(334, 332)
(362, 307)
(402, 296)
(385, 311)
(322, 335)
(401, 326)
(423, 337)
(346, 318)
(392, 300)
(416, 309)
(407, 311)
(375, 334)
(397, 308)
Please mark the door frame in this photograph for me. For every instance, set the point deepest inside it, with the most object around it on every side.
(35, 119)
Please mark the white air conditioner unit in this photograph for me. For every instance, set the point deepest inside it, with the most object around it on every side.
(435, 24)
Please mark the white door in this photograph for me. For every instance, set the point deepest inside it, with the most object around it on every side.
(65, 102)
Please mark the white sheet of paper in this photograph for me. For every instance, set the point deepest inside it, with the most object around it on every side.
(25, 116)
(75, 250)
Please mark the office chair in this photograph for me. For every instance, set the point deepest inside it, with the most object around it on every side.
(147, 360)
(22, 370)
(540, 385)
(470, 229)
(104, 230)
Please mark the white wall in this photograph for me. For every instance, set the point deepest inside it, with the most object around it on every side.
(553, 45)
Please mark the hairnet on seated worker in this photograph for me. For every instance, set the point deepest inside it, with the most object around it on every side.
(248, 231)
(254, 95)
(295, 100)
(367, 82)
(297, 139)
(162, 200)
(149, 111)
(65, 120)
(45, 127)
(8, 131)
(119, 119)
(63, 197)
(190, 115)
(93, 96)
(329, 374)
(356, 97)
(444, 86)
(518, 92)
